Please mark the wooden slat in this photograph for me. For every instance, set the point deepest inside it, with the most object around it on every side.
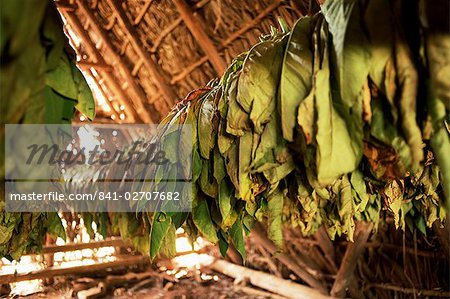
(141, 96)
(142, 12)
(81, 246)
(58, 271)
(155, 70)
(197, 29)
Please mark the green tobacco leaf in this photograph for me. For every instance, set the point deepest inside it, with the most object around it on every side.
(408, 77)
(202, 219)
(245, 181)
(86, 103)
(237, 121)
(438, 46)
(350, 57)
(275, 222)
(205, 128)
(58, 109)
(160, 227)
(296, 75)
(223, 244)
(335, 155)
(55, 226)
(61, 80)
(237, 237)
(226, 199)
(258, 83)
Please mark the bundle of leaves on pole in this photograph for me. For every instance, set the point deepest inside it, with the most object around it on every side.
(39, 84)
(342, 118)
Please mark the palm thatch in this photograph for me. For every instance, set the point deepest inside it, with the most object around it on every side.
(144, 55)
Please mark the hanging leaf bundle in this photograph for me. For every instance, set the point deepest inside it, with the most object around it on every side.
(343, 118)
(39, 84)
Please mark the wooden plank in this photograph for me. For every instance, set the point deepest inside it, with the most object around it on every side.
(155, 70)
(95, 54)
(352, 254)
(266, 281)
(84, 269)
(197, 29)
(141, 96)
(81, 246)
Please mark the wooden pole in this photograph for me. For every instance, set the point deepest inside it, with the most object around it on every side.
(154, 69)
(81, 246)
(196, 27)
(266, 281)
(352, 254)
(141, 96)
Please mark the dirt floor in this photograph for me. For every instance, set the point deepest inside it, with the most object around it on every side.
(193, 284)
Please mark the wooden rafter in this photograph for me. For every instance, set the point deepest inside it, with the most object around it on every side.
(141, 96)
(166, 31)
(154, 69)
(94, 53)
(196, 27)
(180, 76)
(142, 12)
(97, 66)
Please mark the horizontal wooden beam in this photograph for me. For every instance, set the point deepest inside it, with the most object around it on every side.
(76, 270)
(80, 246)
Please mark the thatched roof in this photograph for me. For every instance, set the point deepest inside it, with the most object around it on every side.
(142, 56)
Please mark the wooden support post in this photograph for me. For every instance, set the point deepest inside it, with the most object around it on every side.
(197, 29)
(266, 281)
(155, 71)
(141, 96)
(110, 79)
(352, 254)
